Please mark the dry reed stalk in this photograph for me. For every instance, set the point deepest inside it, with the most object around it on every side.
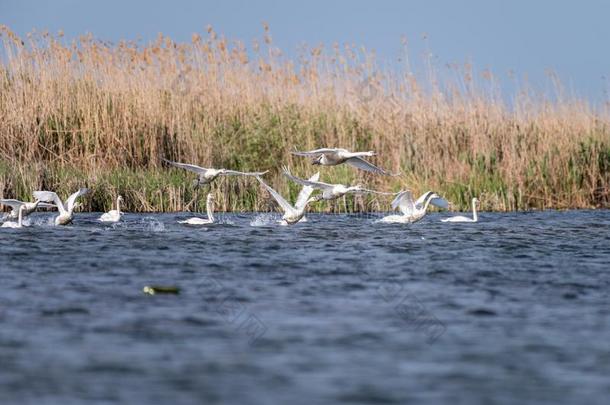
(99, 114)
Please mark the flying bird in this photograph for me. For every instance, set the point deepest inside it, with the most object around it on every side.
(207, 175)
(292, 214)
(330, 191)
(19, 223)
(413, 211)
(337, 156)
(65, 210)
(28, 207)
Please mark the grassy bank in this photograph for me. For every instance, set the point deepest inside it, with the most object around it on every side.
(101, 115)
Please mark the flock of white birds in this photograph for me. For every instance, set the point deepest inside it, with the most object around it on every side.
(411, 210)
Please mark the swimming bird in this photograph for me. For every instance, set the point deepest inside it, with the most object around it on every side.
(29, 207)
(113, 215)
(337, 156)
(330, 191)
(413, 211)
(19, 223)
(209, 206)
(460, 218)
(207, 175)
(65, 211)
(292, 214)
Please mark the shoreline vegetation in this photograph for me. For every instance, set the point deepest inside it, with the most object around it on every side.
(94, 114)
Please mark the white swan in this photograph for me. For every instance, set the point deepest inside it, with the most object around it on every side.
(207, 175)
(113, 215)
(460, 218)
(19, 222)
(413, 211)
(292, 214)
(65, 211)
(337, 156)
(28, 207)
(209, 206)
(330, 191)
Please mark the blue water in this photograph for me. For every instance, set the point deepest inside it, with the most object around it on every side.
(340, 309)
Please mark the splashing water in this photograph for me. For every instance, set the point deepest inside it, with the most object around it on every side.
(263, 220)
(40, 221)
(152, 224)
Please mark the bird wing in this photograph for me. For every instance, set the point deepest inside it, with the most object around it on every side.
(315, 152)
(366, 190)
(14, 204)
(422, 199)
(280, 200)
(49, 196)
(72, 199)
(227, 172)
(305, 192)
(404, 201)
(186, 166)
(315, 184)
(440, 203)
(436, 201)
(367, 166)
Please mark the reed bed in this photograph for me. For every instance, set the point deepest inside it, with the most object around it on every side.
(102, 115)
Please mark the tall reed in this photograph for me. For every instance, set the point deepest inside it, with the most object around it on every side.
(97, 114)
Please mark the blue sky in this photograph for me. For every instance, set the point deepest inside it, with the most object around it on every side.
(527, 37)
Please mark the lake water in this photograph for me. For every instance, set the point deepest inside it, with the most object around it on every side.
(340, 309)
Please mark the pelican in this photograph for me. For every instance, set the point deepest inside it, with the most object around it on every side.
(337, 156)
(413, 211)
(209, 206)
(292, 215)
(113, 215)
(19, 223)
(330, 191)
(206, 175)
(65, 211)
(28, 207)
(460, 218)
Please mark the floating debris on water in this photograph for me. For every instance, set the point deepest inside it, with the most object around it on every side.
(157, 289)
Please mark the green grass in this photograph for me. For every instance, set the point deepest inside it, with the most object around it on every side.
(264, 141)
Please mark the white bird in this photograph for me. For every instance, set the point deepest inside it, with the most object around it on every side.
(330, 191)
(29, 207)
(207, 175)
(113, 215)
(19, 222)
(209, 206)
(413, 211)
(337, 156)
(292, 214)
(460, 218)
(65, 211)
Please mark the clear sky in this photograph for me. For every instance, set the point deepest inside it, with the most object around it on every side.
(525, 36)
